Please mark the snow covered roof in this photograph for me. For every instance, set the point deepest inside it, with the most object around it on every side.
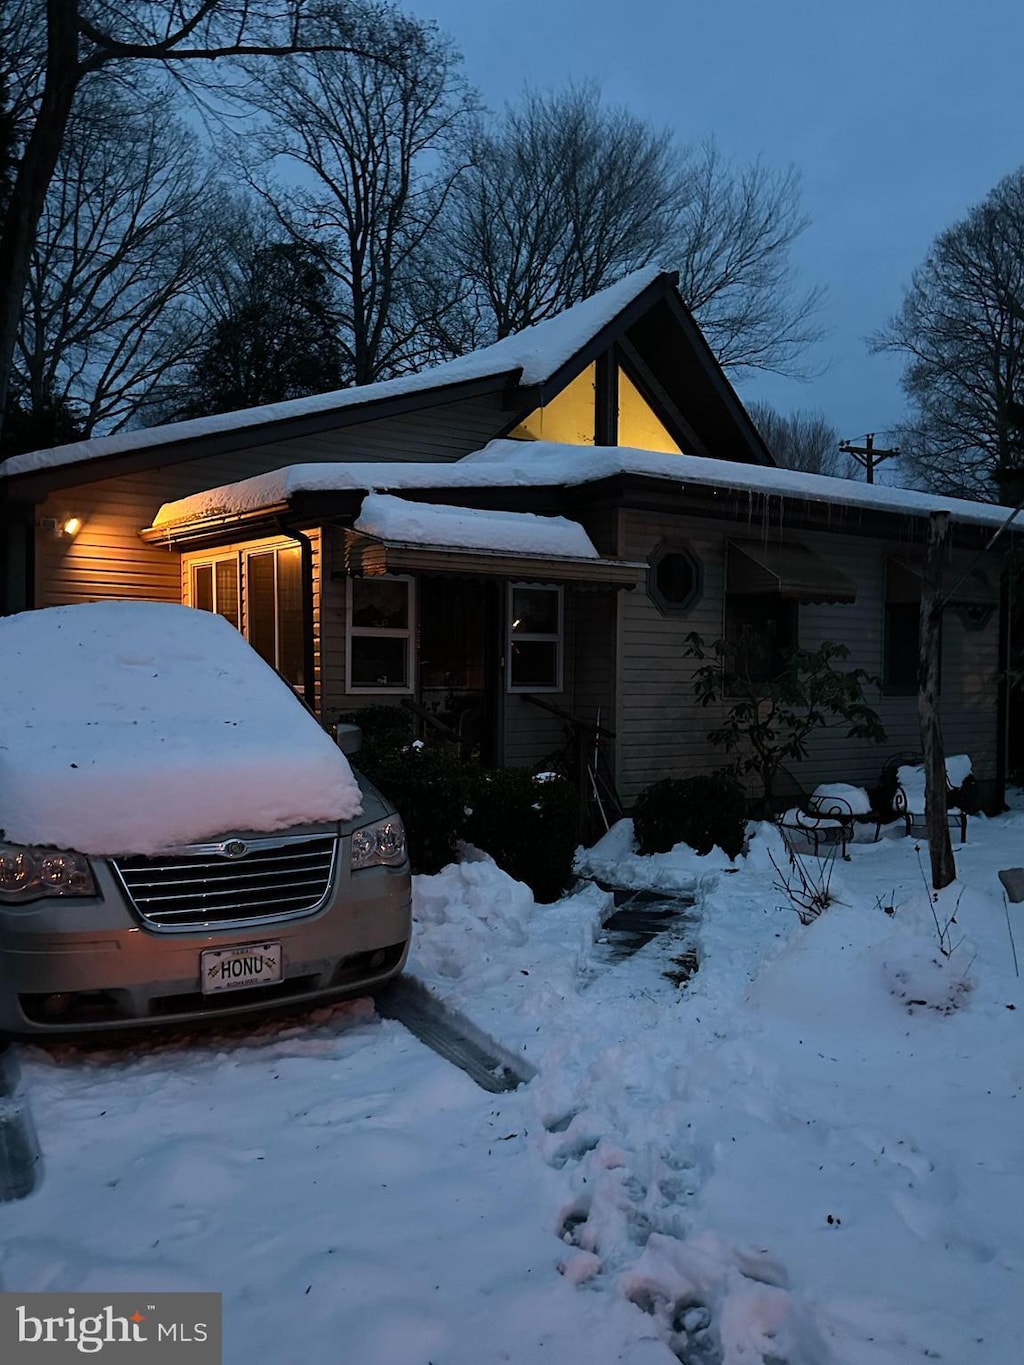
(538, 464)
(418, 523)
(132, 727)
(532, 356)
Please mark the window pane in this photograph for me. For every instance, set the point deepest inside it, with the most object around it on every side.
(534, 663)
(676, 577)
(902, 624)
(535, 611)
(759, 630)
(202, 587)
(289, 614)
(379, 661)
(260, 606)
(380, 603)
(227, 589)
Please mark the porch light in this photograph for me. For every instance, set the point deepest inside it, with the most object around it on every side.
(61, 526)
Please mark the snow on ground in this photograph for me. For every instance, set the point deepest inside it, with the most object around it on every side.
(184, 735)
(809, 1155)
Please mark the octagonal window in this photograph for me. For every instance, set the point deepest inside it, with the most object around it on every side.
(674, 578)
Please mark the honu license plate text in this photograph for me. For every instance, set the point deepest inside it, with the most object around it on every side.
(233, 969)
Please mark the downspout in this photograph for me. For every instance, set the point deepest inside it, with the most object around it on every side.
(308, 607)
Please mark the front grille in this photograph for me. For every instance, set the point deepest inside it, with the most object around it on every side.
(199, 886)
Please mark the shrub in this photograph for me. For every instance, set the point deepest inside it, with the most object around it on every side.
(700, 811)
(528, 825)
(769, 722)
(426, 783)
(385, 729)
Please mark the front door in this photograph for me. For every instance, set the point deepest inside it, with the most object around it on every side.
(458, 661)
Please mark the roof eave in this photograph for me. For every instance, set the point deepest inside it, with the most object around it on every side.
(35, 483)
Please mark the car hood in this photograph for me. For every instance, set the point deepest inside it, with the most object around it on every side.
(130, 728)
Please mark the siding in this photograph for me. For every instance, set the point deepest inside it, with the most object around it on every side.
(663, 731)
(108, 560)
(438, 434)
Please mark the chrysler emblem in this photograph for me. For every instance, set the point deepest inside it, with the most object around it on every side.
(234, 848)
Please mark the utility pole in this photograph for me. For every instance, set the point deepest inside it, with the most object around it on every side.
(940, 847)
(866, 455)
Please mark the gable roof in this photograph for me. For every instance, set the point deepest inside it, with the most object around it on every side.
(532, 366)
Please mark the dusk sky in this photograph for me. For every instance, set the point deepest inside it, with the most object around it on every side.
(898, 114)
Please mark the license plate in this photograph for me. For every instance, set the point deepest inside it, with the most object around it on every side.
(233, 969)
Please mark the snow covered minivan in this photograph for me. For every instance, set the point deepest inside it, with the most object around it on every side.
(179, 839)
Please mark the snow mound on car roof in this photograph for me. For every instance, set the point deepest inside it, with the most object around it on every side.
(131, 727)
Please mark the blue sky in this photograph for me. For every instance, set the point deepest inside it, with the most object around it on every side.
(899, 116)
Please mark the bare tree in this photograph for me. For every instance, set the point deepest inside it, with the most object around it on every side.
(799, 439)
(733, 242)
(84, 37)
(565, 195)
(367, 139)
(127, 231)
(961, 328)
(561, 198)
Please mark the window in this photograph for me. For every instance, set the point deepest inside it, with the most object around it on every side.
(901, 629)
(380, 634)
(673, 579)
(900, 656)
(759, 630)
(534, 638)
(901, 647)
(215, 588)
(272, 621)
(274, 609)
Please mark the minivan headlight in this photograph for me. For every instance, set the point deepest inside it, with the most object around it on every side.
(28, 873)
(379, 844)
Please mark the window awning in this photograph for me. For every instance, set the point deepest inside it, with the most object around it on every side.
(963, 583)
(367, 555)
(791, 571)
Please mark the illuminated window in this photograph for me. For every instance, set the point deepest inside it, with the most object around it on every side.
(381, 629)
(638, 424)
(270, 583)
(215, 587)
(273, 581)
(568, 417)
(534, 656)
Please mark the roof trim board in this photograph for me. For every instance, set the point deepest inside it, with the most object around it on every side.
(365, 556)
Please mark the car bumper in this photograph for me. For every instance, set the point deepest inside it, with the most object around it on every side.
(91, 965)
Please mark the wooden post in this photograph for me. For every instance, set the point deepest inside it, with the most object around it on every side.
(939, 844)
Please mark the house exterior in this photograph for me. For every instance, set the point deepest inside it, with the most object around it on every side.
(532, 529)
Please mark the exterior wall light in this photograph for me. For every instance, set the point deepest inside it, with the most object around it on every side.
(66, 527)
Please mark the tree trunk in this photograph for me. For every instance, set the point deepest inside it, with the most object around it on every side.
(939, 845)
(28, 194)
